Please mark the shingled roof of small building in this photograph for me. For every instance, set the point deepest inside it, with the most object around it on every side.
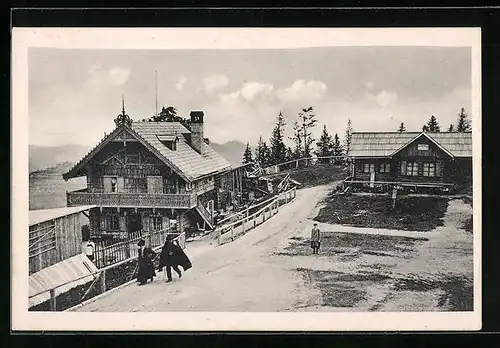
(185, 160)
(385, 144)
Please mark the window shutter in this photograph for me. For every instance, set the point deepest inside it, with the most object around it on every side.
(155, 184)
(403, 167)
(439, 171)
(119, 184)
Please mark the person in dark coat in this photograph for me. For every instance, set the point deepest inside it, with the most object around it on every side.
(146, 266)
(172, 256)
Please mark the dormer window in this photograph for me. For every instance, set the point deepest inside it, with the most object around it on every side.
(170, 141)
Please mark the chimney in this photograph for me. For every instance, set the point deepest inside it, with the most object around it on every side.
(197, 130)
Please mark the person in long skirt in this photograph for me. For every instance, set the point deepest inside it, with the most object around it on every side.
(171, 257)
(145, 259)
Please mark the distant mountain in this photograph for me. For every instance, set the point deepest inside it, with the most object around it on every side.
(48, 189)
(232, 151)
(43, 157)
(47, 164)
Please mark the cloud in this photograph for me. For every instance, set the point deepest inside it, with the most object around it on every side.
(215, 82)
(302, 90)
(250, 92)
(369, 85)
(99, 77)
(118, 76)
(179, 85)
(384, 98)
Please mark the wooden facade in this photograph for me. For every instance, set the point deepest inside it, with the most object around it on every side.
(55, 239)
(420, 160)
(144, 175)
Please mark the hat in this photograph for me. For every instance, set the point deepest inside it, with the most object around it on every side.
(315, 224)
(170, 237)
(141, 242)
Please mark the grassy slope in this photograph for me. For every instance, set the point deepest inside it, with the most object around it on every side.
(413, 214)
(318, 174)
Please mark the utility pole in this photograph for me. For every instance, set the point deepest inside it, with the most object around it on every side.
(156, 94)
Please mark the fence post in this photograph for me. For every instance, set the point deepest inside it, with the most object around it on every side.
(53, 300)
(243, 225)
(218, 236)
(150, 238)
(232, 232)
(103, 282)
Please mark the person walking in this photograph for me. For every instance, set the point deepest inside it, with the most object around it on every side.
(171, 257)
(146, 268)
(315, 239)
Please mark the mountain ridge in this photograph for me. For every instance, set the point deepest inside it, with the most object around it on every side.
(46, 157)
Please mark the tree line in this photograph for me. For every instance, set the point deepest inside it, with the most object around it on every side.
(304, 144)
(432, 126)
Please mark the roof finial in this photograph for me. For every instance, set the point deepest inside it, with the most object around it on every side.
(123, 105)
(123, 118)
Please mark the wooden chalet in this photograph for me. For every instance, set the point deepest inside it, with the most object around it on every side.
(145, 174)
(439, 160)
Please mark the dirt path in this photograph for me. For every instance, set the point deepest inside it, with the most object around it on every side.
(245, 275)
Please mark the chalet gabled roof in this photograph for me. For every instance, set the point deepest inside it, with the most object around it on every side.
(386, 144)
(185, 161)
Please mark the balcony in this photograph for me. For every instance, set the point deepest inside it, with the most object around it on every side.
(131, 200)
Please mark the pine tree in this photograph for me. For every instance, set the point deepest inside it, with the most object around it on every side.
(432, 125)
(167, 114)
(247, 155)
(308, 121)
(463, 124)
(278, 148)
(338, 150)
(402, 128)
(262, 153)
(450, 128)
(348, 137)
(297, 140)
(324, 146)
(266, 155)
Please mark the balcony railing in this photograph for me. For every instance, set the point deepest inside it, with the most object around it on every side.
(81, 197)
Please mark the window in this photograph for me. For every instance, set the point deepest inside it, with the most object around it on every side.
(112, 222)
(169, 185)
(385, 168)
(429, 169)
(135, 185)
(113, 184)
(369, 168)
(422, 147)
(157, 223)
(409, 168)
(412, 169)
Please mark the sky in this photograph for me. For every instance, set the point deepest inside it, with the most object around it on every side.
(75, 94)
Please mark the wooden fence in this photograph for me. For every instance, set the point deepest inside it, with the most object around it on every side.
(107, 254)
(101, 275)
(270, 207)
(303, 162)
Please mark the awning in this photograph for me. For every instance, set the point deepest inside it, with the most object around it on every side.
(60, 273)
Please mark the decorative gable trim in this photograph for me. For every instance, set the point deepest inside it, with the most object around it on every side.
(423, 134)
(112, 136)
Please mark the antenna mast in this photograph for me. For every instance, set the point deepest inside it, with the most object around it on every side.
(156, 95)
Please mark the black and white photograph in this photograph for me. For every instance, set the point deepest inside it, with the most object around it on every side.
(246, 179)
